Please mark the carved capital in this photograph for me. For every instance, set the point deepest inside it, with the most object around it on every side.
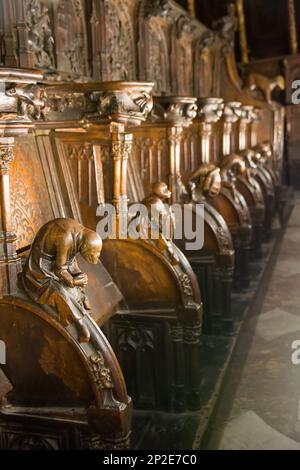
(174, 110)
(232, 111)
(28, 99)
(127, 103)
(248, 113)
(210, 110)
(20, 98)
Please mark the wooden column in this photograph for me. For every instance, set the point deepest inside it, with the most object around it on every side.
(210, 111)
(9, 262)
(121, 151)
(230, 116)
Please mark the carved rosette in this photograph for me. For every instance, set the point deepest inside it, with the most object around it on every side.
(174, 110)
(210, 110)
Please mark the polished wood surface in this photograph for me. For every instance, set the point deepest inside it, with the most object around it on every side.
(122, 102)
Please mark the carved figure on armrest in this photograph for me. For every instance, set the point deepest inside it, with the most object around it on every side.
(51, 275)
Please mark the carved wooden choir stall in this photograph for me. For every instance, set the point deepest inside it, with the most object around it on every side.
(104, 105)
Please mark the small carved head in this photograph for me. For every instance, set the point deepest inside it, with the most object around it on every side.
(91, 246)
(234, 164)
(266, 149)
(161, 190)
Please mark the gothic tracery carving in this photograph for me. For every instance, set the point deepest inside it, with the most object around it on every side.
(41, 37)
(119, 41)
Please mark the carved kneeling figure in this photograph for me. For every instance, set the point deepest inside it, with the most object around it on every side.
(51, 275)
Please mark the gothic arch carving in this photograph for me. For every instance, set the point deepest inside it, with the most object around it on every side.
(57, 36)
(153, 51)
(182, 56)
(112, 37)
(204, 64)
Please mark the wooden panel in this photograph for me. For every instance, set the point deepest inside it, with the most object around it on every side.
(31, 201)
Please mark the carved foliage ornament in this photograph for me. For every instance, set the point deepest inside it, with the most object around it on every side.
(180, 111)
(6, 157)
(100, 372)
(210, 110)
(132, 103)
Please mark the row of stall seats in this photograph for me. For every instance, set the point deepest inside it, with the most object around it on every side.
(76, 146)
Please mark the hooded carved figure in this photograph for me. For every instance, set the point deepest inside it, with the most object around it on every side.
(205, 181)
(51, 275)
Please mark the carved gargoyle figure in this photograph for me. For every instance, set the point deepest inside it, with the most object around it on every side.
(160, 218)
(51, 275)
(204, 181)
(255, 81)
(28, 96)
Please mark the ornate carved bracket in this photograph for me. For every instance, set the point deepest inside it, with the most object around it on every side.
(174, 110)
(98, 102)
